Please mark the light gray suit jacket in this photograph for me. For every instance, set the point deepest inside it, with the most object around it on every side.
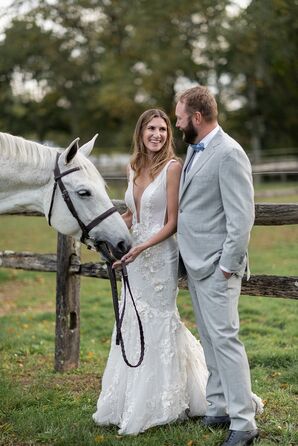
(216, 209)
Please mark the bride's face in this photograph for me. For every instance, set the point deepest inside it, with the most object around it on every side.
(155, 135)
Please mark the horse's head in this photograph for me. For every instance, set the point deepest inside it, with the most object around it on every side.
(79, 205)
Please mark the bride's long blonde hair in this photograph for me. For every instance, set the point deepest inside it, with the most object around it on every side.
(139, 159)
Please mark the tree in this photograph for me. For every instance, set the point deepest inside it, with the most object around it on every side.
(99, 64)
(261, 62)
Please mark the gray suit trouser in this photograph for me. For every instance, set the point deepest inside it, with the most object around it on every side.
(215, 302)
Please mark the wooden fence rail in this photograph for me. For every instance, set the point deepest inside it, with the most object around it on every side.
(66, 263)
(258, 285)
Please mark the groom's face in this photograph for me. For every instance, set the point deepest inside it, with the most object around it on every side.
(184, 123)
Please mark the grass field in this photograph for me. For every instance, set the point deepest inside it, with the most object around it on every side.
(41, 407)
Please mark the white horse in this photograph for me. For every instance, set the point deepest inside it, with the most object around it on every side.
(63, 185)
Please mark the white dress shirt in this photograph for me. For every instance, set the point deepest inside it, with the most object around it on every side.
(204, 141)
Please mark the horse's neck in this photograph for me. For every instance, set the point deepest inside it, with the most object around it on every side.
(22, 185)
(21, 174)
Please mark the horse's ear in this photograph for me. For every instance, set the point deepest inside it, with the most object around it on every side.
(71, 151)
(87, 148)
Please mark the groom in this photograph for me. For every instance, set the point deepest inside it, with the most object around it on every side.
(216, 214)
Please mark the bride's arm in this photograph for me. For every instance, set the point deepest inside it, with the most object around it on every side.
(173, 180)
(127, 216)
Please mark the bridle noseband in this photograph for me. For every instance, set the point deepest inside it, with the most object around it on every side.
(58, 180)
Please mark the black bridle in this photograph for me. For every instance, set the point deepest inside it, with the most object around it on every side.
(58, 180)
(109, 260)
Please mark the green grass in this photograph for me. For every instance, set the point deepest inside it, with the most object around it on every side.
(41, 407)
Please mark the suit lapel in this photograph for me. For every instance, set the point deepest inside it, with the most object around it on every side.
(188, 155)
(205, 156)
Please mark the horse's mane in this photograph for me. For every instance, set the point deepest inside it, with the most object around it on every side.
(24, 150)
(39, 155)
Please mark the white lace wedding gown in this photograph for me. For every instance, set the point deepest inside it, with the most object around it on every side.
(170, 384)
(172, 378)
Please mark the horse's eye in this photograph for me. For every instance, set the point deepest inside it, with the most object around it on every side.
(84, 193)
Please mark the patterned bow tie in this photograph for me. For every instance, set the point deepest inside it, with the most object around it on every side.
(198, 147)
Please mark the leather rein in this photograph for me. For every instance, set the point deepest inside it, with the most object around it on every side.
(119, 317)
(109, 261)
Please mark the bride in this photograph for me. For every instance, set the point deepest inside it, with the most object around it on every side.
(170, 383)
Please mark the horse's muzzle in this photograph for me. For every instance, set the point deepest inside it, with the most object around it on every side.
(110, 252)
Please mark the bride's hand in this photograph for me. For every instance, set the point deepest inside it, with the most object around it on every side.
(133, 253)
(117, 264)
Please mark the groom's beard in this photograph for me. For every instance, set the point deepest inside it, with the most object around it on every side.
(189, 133)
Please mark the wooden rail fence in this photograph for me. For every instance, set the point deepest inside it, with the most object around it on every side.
(66, 263)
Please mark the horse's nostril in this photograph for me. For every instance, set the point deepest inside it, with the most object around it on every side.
(123, 247)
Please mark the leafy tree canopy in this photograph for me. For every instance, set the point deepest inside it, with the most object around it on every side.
(78, 67)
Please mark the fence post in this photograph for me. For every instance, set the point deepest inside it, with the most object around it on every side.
(67, 342)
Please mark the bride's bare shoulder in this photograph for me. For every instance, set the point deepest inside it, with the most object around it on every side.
(175, 166)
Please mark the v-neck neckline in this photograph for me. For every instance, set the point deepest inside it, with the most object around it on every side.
(138, 211)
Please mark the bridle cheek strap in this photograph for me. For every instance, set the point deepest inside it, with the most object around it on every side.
(85, 228)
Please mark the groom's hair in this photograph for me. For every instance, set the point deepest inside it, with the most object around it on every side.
(199, 99)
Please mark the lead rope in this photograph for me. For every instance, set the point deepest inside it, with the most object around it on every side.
(119, 317)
